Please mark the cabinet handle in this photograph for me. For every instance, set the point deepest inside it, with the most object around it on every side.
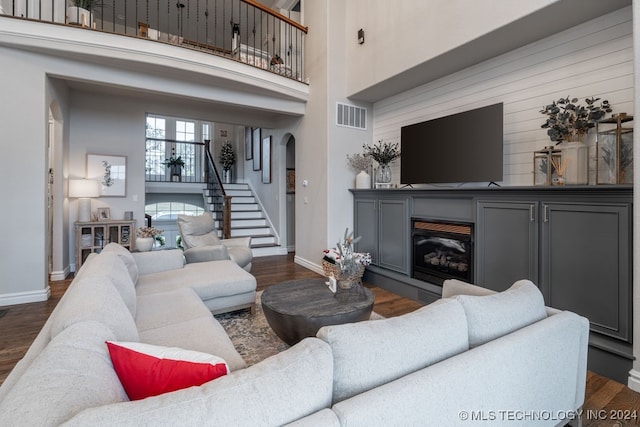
(532, 211)
(546, 213)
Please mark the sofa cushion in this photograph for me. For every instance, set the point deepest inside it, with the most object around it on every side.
(198, 230)
(209, 280)
(368, 354)
(111, 265)
(126, 258)
(493, 316)
(193, 327)
(149, 370)
(276, 391)
(94, 298)
(72, 373)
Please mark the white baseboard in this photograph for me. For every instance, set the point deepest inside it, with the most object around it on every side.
(55, 276)
(634, 380)
(308, 264)
(25, 297)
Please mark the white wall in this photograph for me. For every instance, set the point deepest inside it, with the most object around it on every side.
(592, 59)
(402, 34)
(23, 213)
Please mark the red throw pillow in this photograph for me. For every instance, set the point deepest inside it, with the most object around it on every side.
(149, 370)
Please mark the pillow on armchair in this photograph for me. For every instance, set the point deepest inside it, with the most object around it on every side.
(201, 242)
(198, 230)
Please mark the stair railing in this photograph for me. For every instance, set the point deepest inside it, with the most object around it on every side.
(214, 183)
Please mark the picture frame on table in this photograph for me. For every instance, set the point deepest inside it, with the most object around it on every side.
(266, 160)
(110, 171)
(104, 214)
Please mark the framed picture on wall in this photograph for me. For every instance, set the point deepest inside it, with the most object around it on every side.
(110, 171)
(255, 147)
(248, 154)
(266, 160)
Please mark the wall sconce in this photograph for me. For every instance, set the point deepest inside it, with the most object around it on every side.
(83, 190)
(361, 36)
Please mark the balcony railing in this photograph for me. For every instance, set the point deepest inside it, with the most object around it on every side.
(159, 151)
(242, 30)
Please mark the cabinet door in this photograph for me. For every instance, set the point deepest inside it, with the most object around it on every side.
(366, 226)
(393, 234)
(586, 264)
(507, 244)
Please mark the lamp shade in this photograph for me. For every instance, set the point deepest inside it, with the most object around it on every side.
(80, 188)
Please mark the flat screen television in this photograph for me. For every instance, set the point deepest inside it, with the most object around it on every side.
(460, 148)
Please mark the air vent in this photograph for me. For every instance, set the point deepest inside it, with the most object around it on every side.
(351, 116)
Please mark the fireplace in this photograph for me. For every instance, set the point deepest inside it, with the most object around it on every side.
(442, 250)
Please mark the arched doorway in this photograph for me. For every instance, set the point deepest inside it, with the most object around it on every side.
(291, 193)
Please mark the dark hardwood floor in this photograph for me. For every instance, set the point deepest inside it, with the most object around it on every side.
(607, 403)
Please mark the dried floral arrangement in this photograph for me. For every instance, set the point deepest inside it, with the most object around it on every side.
(382, 152)
(359, 162)
(148, 232)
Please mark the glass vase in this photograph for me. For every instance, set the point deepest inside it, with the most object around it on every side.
(383, 174)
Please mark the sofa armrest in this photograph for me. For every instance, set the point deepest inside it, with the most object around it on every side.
(206, 253)
(237, 241)
(158, 261)
(453, 287)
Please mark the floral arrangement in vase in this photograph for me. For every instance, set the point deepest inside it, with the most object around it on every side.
(148, 232)
(567, 120)
(383, 153)
(342, 262)
(147, 236)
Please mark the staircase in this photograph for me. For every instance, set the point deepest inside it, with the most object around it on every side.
(247, 218)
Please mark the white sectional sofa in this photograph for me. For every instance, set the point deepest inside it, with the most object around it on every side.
(473, 355)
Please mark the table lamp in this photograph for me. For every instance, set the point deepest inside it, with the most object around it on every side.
(83, 190)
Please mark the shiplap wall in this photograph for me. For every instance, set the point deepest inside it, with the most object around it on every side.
(592, 59)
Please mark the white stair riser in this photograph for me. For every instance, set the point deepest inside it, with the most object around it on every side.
(240, 208)
(244, 223)
(246, 215)
(241, 232)
(268, 240)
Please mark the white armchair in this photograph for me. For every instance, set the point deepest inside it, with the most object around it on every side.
(201, 242)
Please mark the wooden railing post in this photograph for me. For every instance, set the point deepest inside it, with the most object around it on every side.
(207, 170)
(226, 217)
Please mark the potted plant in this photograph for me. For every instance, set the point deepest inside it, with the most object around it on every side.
(175, 165)
(383, 153)
(146, 237)
(568, 122)
(227, 160)
(80, 12)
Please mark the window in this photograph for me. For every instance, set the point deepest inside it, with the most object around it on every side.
(169, 211)
(168, 137)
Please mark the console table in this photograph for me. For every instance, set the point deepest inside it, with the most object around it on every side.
(574, 242)
(92, 236)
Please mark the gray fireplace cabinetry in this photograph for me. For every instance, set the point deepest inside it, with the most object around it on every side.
(506, 243)
(574, 242)
(383, 224)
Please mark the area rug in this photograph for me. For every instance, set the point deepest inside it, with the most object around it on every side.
(251, 334)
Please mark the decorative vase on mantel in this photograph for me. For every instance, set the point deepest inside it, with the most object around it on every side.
(363, 180)
(144, 244)
(383, 174)
(226, 176)
(576, 153)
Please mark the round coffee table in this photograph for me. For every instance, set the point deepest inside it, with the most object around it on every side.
(299, 308)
